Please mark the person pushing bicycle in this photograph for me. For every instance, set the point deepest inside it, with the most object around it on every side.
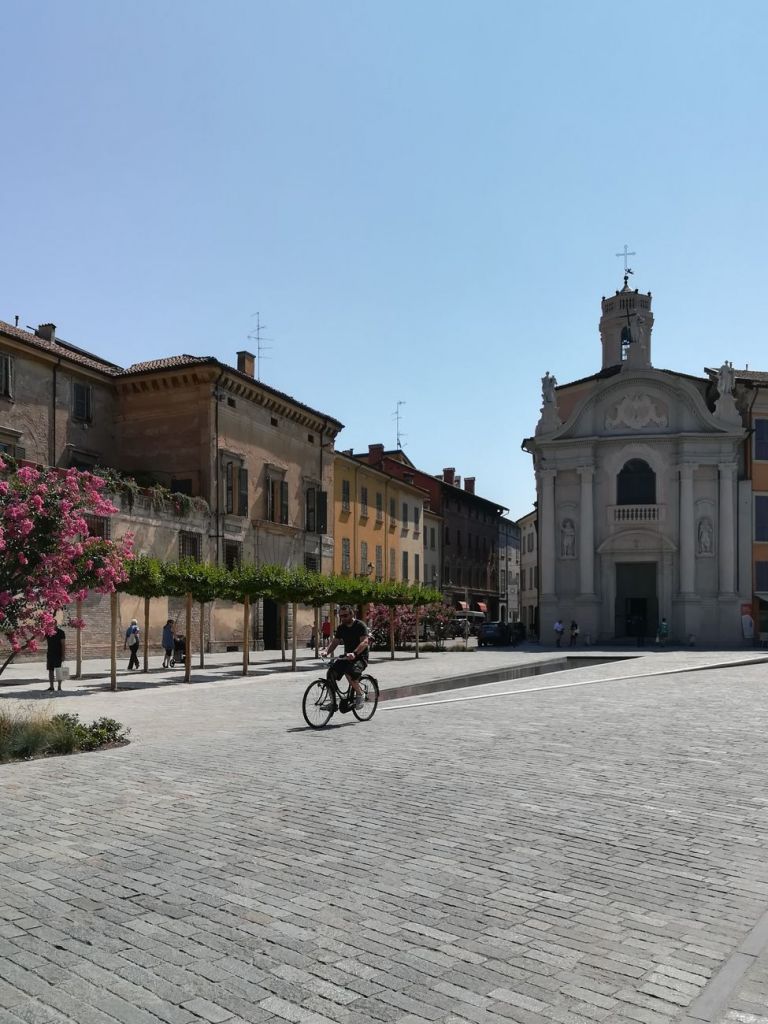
(354, 635)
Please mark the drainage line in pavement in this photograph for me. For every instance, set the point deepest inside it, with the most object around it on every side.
(582, 682)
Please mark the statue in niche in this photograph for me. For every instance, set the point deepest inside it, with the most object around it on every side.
(568, 539)
(548, 385)
(705, 537)
(725, 378)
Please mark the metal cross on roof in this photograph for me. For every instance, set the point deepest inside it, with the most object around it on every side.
(626, 253)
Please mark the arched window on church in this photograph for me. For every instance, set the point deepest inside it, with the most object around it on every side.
(626, 339)
(636, 484)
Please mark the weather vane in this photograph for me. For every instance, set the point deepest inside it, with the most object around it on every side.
(627, 270)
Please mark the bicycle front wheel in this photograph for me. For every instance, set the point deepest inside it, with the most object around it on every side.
(371, 690)
(318, 704)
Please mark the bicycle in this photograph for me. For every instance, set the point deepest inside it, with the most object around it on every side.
(323, 698)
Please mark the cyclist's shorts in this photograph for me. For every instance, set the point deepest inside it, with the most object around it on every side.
(342, 667)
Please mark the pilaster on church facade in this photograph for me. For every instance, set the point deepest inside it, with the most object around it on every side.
(638, 482)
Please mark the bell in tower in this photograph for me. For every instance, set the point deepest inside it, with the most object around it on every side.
(625, 328)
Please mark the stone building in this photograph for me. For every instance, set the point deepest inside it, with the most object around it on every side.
(643, 504)
(509, 570)
(259, 462)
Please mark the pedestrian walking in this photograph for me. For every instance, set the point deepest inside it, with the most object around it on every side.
(559, 629)
(574, 633)
(168, 643)
(55, 656)
(326, 630)
(663, 634)
(132, 643)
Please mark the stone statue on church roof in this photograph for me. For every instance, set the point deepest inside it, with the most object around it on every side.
(726, 379)
(548, 385)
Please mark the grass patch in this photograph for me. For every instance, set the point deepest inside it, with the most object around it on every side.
(28, 734)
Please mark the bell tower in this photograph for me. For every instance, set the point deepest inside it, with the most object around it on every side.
(625, 328)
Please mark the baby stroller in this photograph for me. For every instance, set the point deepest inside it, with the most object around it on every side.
(179, 650)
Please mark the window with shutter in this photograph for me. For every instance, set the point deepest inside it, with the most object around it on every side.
(82, 404)
(345, 555)
(242, 492)
(322, 512)
(284, 502)
(229, 488)
(6, 375)
(310, 515)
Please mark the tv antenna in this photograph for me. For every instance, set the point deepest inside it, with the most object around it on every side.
(397, 417)
(261, 348)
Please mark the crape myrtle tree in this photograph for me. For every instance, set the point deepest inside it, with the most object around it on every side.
(48, 559)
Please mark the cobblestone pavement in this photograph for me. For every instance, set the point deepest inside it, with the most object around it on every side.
(571, 853)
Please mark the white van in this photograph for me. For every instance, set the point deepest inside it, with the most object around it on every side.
(475, 620)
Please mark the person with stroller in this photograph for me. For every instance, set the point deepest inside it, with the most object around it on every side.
(168, 640)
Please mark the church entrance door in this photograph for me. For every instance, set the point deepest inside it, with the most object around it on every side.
(637, 604)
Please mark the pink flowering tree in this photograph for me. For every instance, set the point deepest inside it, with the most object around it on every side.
(48, 559)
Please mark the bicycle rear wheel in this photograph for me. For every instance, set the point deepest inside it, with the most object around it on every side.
(368, 710)
(318, 704)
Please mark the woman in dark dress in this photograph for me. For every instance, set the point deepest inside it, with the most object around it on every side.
(57, 652)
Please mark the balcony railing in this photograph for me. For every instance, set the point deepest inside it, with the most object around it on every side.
(630, 514)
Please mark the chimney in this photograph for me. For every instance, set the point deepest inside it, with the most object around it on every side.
(47, 332)
(457, 480)
(376, 452)
(448, 475)
(246, 363)
(469, 484)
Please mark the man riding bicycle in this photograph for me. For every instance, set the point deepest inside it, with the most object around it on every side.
(354, 635)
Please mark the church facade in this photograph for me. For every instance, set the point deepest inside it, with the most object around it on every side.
(644, 512)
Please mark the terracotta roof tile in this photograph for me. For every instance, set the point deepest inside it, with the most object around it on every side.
(168, 363)
(61, 348)
(83, 358)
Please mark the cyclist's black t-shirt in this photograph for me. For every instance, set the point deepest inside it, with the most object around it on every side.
(350, 634)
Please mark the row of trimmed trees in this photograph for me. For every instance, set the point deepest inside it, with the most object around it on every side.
(201, 583)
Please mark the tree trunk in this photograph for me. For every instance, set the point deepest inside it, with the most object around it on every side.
(113, 642)
(79, 643)
(146, 634)
(188, 641)
(293, 638)
(317, 632)
(283, 625)
(418, 609)
(202, 634)
(246, 631)
(392, 633)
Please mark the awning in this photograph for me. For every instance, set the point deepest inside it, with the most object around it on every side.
(463, 605)
(762, 594)
(482, 607)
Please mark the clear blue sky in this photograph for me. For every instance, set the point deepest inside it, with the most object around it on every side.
(422, 198)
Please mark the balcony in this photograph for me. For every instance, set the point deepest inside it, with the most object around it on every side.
(632, 515)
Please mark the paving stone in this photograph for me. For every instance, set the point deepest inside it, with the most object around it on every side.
(578, 855)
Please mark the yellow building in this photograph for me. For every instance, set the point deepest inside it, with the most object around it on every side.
(377, 522)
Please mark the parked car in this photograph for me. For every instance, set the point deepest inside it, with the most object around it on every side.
(494, 633)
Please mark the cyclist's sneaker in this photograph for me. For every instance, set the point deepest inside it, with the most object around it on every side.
(359, 700)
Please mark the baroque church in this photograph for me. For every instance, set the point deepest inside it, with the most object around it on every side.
(643, 512)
